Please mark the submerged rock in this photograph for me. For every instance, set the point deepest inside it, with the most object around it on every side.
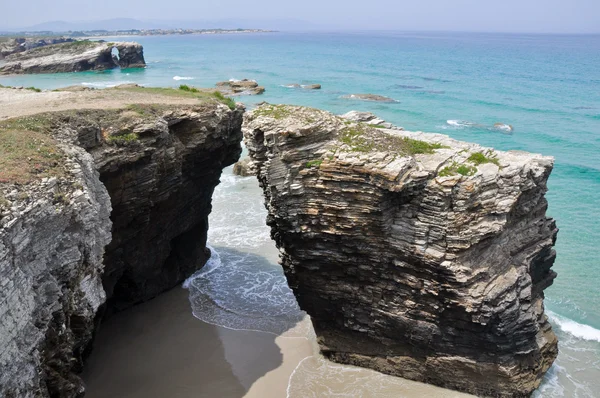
(414, 254)
(304, 86)
(152, 168)
(370, 97)
(244, 168)
(75, 56)
(240, 87)
(504, 127)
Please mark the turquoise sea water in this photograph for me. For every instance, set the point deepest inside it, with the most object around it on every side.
(546, 87)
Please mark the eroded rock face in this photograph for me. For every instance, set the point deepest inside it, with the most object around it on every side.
(20, 44)
(74, 56)
(404, 264)
(156, 167)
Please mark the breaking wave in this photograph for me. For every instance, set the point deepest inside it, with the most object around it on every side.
(183, 78)
(581, 331)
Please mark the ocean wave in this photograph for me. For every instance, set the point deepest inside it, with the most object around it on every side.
(183, 78)
(243, 291)
(460, 123)
(579, 330)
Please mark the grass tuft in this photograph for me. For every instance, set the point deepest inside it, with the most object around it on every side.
(455, 168)
(479, 158)
(230, 102)
(314, 163)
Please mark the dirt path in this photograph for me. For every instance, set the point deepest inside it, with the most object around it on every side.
(22, 102)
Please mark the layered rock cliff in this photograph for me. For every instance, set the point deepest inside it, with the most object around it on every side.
(414, 254)
(74, 56)
(62, 256)
(20, 44)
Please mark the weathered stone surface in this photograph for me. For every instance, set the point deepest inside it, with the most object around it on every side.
(20, 44)
(74, 56)
(369, 118)
(405, 265)
(156, 166)
(240, 87)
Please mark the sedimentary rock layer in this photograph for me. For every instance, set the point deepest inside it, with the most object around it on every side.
(74, 56)
(414, 254)
(156, 166)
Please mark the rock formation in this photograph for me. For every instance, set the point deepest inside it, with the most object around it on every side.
(370, 119)
(414, 254)
(304, 86)
(20, 44)
(156, 167)
(75, 56)
(244, 168)
(370, 97)
(240, 87)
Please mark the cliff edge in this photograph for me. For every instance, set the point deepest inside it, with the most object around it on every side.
(99, 209)
(414, 254)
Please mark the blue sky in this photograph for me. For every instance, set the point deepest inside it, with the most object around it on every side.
(544, 16)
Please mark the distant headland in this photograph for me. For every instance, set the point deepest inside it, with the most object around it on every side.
(131, 32)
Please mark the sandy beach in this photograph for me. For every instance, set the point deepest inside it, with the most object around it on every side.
(158, 349)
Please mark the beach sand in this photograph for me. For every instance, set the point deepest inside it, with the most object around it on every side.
(159, 350)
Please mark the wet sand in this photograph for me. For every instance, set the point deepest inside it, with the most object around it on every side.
(158, 349)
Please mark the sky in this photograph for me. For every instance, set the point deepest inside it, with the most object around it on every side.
(535, 16)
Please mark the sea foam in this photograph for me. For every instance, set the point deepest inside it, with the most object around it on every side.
(183, 78)
(576, 329)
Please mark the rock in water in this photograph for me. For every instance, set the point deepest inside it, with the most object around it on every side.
(414, 254)
(240, 87)
(75, 56)
(244, 168)
(504, 127)
(370, 97)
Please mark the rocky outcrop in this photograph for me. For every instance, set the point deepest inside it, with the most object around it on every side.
(156, 166)
(414, 254)
(304, 86)
(370, 119)
(76, 56)
(20, 44)
(370, 97)
(240, 87)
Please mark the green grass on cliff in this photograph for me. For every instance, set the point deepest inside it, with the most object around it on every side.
(363, 138)
(479, 158)
(26, 155)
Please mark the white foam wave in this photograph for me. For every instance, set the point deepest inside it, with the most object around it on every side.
(576, 329)
(234, 80)
(243, 291)
(460, 123)
(183, 78)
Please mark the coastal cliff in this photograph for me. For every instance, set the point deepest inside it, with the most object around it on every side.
(74, 56)
(414, 254)
(96, 205)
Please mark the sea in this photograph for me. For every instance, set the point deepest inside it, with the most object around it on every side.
(547, 87)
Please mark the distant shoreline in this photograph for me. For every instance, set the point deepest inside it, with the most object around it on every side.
(133, 33)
